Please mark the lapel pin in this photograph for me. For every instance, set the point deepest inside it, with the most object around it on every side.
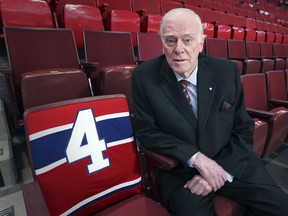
(210, 88)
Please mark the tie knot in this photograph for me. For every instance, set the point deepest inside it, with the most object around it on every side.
(184, 83)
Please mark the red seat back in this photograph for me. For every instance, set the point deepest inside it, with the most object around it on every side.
(83, 154)
(149, 46)
(28, 13)
(61, 4)
(125, 21)
(80, 17)
(216, 47)
(276, 85)
(32, 49)
(147, 6)
(48, 86)
(108, 48)
(255, 94)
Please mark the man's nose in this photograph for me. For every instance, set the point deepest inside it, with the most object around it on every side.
(179, 46)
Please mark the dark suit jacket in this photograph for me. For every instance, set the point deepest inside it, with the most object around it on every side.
(165, 123)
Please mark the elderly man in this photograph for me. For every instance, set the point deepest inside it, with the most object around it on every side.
(190, 106)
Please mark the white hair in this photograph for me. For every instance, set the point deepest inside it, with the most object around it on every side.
(174, 13)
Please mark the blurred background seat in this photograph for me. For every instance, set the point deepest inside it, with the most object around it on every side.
(256, 101)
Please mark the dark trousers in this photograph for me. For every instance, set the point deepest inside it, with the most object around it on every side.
(262, 197)
(259, 199)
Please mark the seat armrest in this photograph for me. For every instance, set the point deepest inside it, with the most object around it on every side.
(104, 5)
(159, 160)
(34, 200)
(5, 70)
(260, 113)
(276, 102)
(151, 160)
(141, 12)
(90, 68)
(139, 62)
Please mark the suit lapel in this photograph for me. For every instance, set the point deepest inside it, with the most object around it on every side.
(206, 85)
(168, 85)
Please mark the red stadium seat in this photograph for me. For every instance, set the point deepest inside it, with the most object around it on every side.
(29, 13)
(106, 6)
(124, 21)
(278, 37)
(80, 17)
(253, 62)
(44, 86)
(146, 7)
(61, 4)
(209, 29)
(216, 47)
(268, 62)
(250, 34)
(238, 29)
(210, 20)
(213, 5)
(117, 80)
(238, 33)
(285, 39)
(270, 37)
(150, 15)
(255, 95)
(250, 29)
(109, 49)
(223, 31)
(280, 56)
(237, 52)
(149, 46)
(31, 49)
(92, 168)
(277, 88)
(261, 36)
(150, 23)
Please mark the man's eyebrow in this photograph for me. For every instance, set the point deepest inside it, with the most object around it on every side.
(168, 35)
(184, 35)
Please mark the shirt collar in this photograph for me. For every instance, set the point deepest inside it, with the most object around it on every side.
(192, 78)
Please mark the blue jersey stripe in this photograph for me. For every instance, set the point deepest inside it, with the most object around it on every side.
(43, 149)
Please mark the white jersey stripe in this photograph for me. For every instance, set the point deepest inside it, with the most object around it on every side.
(69, 126)
(103, 193)
(64, 160)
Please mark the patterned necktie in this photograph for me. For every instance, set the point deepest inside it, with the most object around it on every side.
(185, 84)
(192, 102)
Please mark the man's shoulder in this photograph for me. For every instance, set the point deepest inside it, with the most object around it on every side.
(212, 60)
(217, 65)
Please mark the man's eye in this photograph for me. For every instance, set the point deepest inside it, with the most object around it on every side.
(187, 41)
(170, 42)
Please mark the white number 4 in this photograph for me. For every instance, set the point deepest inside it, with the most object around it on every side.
(85, 126)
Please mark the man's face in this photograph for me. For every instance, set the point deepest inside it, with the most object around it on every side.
(181, 45)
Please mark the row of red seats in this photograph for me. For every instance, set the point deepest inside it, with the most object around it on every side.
(160, 7)
(78, 17)
(217, 22)
(107, 48)
(250, 56)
